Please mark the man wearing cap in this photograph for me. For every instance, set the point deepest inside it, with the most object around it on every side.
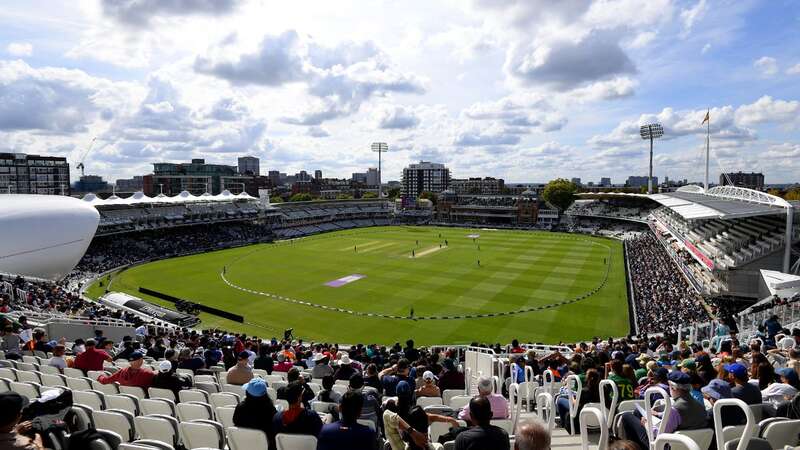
(741, 389)
(166, 378)
(133, 375)
(256, 411)
(240, 373)
(428, 388)
(91, 358)
(777, 393)
(686, 413)
(345, 370)
(321, 367)
(13, 435)
(718, 389)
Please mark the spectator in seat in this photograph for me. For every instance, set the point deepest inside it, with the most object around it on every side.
(327, 394)
(15, 435)
(257, 410)
(11, 340)
(391, 376)
(166, 378)
(188, 361)
(133, 375)
(241, 372)
(483, 435)
(292, 376)
(213, 355)
(411, 353)
(731, 415)
(297, 419)
(740, 388)
(40, 342)
(92, 358)
(263, 361)
(347, 433)
(428, 388)
(58, 360)
(498, 404)
(369, 396)
(450, 378)
(345, 370)
(371, 378)
(321, 367)
(590, 393)
(283, 364)
(532, 435)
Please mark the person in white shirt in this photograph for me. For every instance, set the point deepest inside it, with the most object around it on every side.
(58, 360)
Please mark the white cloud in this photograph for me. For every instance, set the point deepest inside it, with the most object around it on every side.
(794, 70)
(692, 15)
(20, 49)
(766, 109)
(767, 65)
(705, 49)
(139, 13)
(397, 117)
(317, 132)
(643, 39)
(616, 88)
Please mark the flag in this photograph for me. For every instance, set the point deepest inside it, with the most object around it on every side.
(706, 118)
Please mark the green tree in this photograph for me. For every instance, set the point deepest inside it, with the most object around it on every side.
(276, 199)
(793, 194)
(301, 197)
(369, 195)
(775, 192)
(344, 197)
(393, 193)
(430, 196)
(560, 193)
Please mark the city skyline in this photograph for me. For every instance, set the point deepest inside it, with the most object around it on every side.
(524, 91)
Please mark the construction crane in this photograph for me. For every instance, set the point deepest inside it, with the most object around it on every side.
(85, 154)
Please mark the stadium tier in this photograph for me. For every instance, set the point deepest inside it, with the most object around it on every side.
(146, 377)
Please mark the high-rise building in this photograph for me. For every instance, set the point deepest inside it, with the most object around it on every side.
(424, 177)
(605, 181)
(91, 183)
(302, 176)
(318, 175)
(576, 181)
(33, 174)
(359, 177)
(196, 177)
(248, 165)
(752, 180)
(372, 176)
(634, 181)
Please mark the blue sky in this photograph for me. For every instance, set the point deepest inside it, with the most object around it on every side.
(526, 91)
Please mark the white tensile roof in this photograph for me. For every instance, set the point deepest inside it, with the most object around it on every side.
(783, 285)
(183, 197)
(44, 236)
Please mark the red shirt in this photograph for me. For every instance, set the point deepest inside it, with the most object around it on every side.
(129, 376)
(91, 359)
(283, 366)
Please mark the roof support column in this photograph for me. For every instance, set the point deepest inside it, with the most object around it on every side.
(787, 254)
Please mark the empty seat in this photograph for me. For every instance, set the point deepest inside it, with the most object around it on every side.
(782, 433)
(133, 390)
(79, 384)
(428, 401)
(193, 395)
(73, 373)
(29, 390)
(223, 399)
(108, 389)
(460, 401)
(161, 393)
(159, 428)
(246, 438)
(225, 416)
(194, 411)
(28, 376)
(53, 380)
(118, 421)
(150, 406)
(8, 373)
(94, 374)
(145, 444)
(295, 442)
(92, 399)
(124, 402)
(202, 434)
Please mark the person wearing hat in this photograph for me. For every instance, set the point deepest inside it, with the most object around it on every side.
(776, 393)
(133, 375)
(428, 388)
(731, 415)
(15, 435)
(241, 372)
(686, 414)
(321, 367)
(166, 378)
(345, 370)
(256, 411)
(740, 388)
(92, 358)
(658, 378)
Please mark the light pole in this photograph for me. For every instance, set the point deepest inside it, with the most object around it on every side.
(380, 148)
(651, 131)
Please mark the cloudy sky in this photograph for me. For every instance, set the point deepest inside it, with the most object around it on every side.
(526, 90)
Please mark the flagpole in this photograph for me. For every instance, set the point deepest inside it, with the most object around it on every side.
(708, 144)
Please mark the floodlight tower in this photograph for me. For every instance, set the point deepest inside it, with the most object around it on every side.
(651, 131)
(380, 148)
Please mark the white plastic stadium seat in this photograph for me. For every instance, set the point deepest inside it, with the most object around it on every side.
(223, 399)
(225, 416)
(295, 442)
(150, 406)
(422, 402)
(460, 401)
(92, 399)
(133, 390)
(162, 393)
(194, 411)
(193, 395)
(246, 438)
(118, 421)
(159, 428)
(201, 434)
(124, 402)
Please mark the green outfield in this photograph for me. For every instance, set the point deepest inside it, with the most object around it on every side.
(361, 286)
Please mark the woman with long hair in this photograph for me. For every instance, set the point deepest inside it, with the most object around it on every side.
(256, 410)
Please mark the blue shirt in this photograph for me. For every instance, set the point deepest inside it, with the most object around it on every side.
(340, 436)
